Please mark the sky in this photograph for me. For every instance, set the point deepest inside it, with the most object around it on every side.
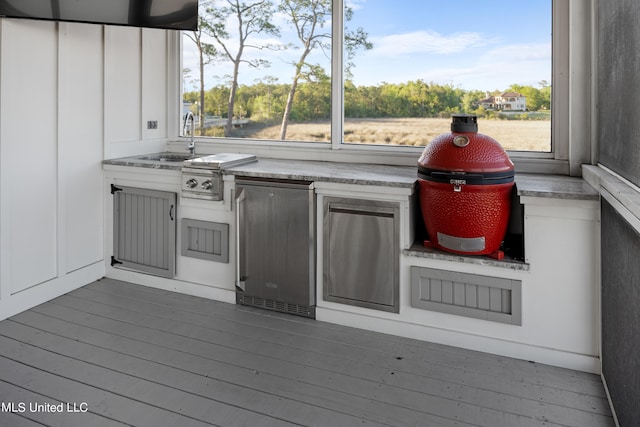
(471, 44)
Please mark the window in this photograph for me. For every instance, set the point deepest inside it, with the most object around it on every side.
(431, 58)
(266, 70)
(391, 77)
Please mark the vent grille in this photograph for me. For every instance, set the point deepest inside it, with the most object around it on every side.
(205, 240)
(283, 307)
(483, 297)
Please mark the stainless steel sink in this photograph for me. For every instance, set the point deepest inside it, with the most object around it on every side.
(166, 157)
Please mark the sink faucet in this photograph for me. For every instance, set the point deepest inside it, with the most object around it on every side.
(191, 147)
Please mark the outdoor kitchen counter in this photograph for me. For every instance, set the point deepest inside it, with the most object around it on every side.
(530, 185)
(342, 173)
(555, 187)
(136, 161)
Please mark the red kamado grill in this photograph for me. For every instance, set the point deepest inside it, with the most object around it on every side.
(465, 183)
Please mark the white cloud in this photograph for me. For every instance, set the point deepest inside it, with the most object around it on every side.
(525, 64)
(355, 4)
(483, 67)
(420, 42)
(519, 52)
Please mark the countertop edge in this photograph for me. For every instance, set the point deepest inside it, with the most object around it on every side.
(527, 184)
(623, 192)
(419, 251)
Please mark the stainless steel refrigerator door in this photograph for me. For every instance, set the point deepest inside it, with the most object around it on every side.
(276, 241)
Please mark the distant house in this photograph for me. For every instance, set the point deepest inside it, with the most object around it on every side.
(507, 101)
(488, 103)
(512, 101)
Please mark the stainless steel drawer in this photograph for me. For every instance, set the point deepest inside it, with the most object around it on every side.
(361, 253)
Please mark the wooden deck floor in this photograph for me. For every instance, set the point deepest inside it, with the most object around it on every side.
(145, 357)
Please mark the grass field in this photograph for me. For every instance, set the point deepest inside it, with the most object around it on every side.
(528, 135)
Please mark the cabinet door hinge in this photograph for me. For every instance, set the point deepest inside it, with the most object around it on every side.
(114, 261)
(114, 189)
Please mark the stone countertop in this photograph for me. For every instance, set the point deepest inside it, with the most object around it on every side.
(137, 161)
(530, 185)
(533, 185)
(418, 250)
(344, 173)
(555, 187)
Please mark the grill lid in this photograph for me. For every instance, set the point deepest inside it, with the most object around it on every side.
(465, 151)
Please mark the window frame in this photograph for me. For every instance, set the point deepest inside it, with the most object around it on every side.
(572, 105)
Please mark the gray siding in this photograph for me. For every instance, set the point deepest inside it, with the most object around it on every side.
(618, 65)
(619, 87)
(620, 314)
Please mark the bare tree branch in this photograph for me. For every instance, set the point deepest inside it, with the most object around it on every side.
(250, 18)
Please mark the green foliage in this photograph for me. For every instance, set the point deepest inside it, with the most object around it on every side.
(411, 99)
(264, 101)
(537, 99)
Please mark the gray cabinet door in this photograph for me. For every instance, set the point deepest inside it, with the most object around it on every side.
(144, 230)
(361, 253)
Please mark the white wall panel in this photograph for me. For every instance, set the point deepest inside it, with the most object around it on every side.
(154, 82)
(70, 94)
(28, 156)
(81, 134)
(123, 77)
(136, 90)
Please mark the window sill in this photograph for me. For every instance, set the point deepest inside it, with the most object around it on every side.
(525, 162)
(623, 195)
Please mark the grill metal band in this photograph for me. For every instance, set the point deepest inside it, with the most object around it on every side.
(471, 178)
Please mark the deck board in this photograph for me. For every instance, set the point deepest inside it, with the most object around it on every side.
(21, 395)
(345, 336)
(418, 357)
(154, 383)
(344, 393)
(52, 381)
(282, 360)
(139, 355)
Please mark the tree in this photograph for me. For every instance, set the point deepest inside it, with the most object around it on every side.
(535, 99)
(249, 19)
(217, 98)
(206, 53)
(309, 19)
(264, 97)
(545, 91)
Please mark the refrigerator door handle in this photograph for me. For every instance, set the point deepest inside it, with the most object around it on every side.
(240, 276)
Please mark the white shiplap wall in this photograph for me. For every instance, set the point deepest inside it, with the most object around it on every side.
(70, 95)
